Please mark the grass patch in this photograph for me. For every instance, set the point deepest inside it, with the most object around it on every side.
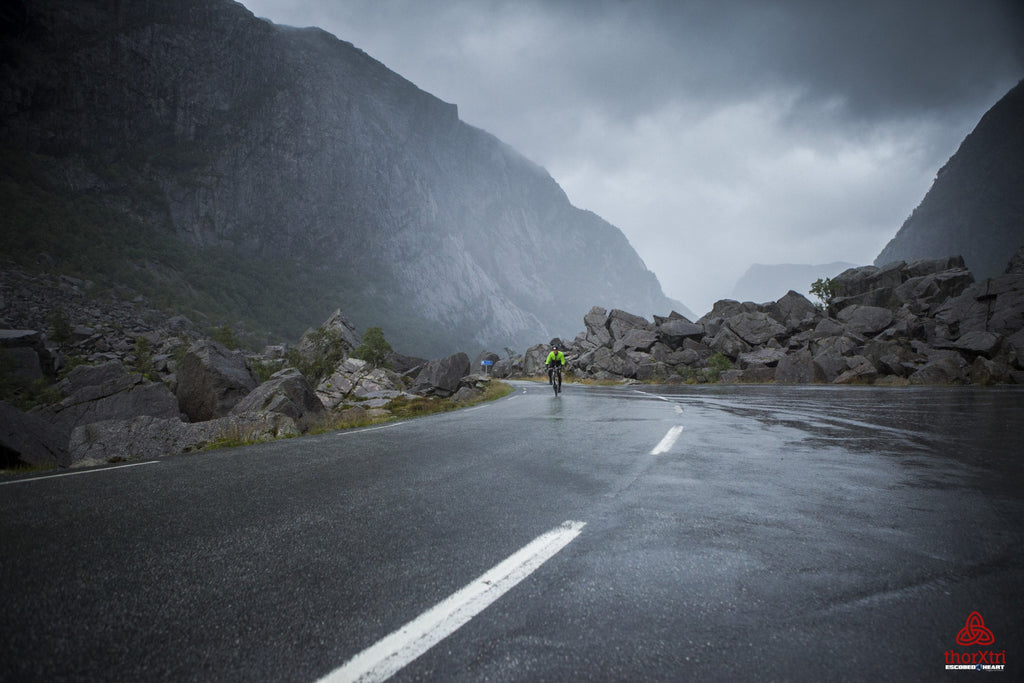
(248, 434)
(403, 408)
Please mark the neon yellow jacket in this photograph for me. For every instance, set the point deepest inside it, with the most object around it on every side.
(555, 357)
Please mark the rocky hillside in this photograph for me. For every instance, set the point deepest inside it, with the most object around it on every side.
(923, 322)
(116, 380)
(241, 172)
(975, 207)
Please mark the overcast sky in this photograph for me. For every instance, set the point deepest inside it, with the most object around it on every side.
(714, 133)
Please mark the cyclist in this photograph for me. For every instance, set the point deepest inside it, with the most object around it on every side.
(555, 361)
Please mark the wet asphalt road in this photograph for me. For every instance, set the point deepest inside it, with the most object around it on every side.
(788, 533)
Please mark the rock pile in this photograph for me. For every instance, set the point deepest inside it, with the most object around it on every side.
(924, 322)
(135, 384)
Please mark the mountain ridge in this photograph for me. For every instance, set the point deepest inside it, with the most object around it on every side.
(975, 207)
(297, 163)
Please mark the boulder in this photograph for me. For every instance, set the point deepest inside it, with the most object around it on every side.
(1013, 347)
(287, 393)
(861, 371)
(855, 281)
(727, 308)
(883, 297)
(866, 320)
(337, 326)
(652, 371)
(30, 440)
(23, 355)
(924, 292)
(103, 392)
(403, 364)
(966, 312)
(828, 327)
(596, 322)
(763, 357)
(832, 364)
(674, 331)
(949, 368)
(892, 358)
(636, 339)
(728, 343)
(684, 357)
(355, 378)
(465, 393)
(987, 372)
(22, 362)
(921, 267)
(153, 437)
(755, 328)
(508, 367)
(798, 368)
(441, 377)
(533, 361)
(977, 342)
(607, 365)
(1007, 313)
(795, 312)
(212, 380)
(621, 322)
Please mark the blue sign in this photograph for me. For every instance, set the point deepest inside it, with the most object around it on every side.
(487, 362)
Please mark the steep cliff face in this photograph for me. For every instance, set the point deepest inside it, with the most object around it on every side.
(975, 207)
(238, 167)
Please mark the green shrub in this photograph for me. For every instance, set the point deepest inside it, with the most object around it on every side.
(60, 326)
(825, 290)
(144, 359)
(326, 351)
(717, 364)
(374, 349)
(226, 336)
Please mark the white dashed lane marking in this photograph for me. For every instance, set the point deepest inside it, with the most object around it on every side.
(389, 655)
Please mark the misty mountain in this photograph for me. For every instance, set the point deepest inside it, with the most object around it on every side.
(975, 207)
(244, 172)
(763, 283)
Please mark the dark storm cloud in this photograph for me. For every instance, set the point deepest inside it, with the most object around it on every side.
(879, 58)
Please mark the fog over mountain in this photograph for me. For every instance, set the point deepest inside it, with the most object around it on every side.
(246, 172)
(714, 134)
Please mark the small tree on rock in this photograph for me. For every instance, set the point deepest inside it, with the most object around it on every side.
(825, 290)
(374, 349)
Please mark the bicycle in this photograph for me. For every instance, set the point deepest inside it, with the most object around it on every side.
(553, 373)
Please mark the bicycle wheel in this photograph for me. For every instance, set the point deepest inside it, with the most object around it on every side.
(554, 382)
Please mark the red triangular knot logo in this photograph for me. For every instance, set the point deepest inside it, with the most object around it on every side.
(975, 633)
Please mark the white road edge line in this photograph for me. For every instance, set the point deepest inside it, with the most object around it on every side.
(389, 655)
(71, 474)
(647, 393)
(346, 432)
(666, 443)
